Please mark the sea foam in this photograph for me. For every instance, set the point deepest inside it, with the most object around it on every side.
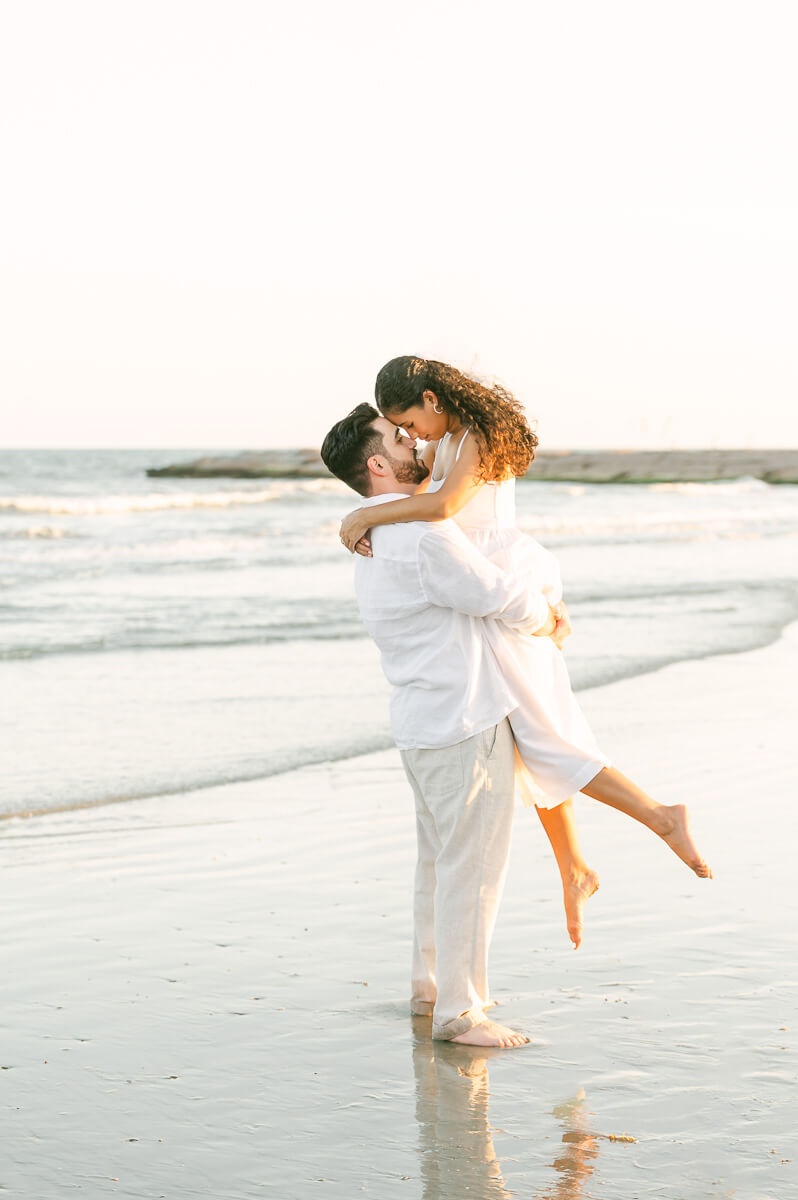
(110, 505)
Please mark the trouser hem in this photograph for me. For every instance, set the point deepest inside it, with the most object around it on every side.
(457, 1025)
(424, 1008)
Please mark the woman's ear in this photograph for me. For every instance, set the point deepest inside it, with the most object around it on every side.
(431, 401)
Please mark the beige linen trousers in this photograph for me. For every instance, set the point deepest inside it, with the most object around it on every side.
(464, 798)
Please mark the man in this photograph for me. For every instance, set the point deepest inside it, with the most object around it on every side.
(423, 596)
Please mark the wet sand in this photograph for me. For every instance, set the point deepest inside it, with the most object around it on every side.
(206, 995)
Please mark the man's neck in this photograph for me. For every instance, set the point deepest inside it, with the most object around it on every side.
(389, 487)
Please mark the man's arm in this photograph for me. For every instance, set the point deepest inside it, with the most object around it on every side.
(454, 574)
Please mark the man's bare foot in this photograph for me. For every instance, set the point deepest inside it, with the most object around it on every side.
(576, 890)
(488, 1033)
(675, 832)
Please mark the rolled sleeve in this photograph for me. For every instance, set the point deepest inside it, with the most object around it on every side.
(453, 574)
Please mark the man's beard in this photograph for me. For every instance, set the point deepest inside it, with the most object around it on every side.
(410, 471)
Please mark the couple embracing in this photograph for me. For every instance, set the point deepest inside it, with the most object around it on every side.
(468, 616)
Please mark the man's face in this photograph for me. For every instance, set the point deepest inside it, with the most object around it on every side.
(400, 452)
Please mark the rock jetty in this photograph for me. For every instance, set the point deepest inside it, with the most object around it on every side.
(599, 466)
(251, 464)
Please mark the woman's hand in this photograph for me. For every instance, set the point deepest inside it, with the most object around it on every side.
(354, 527)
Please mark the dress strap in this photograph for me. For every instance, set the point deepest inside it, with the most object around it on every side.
(462, 439)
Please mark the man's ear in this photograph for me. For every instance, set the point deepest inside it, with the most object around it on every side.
(376, 465)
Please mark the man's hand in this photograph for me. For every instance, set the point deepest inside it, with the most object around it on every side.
(548, 628)
(562, 629)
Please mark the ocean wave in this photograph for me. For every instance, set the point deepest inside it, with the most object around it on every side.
(720, 520)
(37, 531)
(774, 600)
(109, 505)
(322, 631)
(178, 783)
(713, 487)
(168, 779)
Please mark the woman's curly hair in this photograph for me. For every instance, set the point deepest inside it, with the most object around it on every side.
(506, 443)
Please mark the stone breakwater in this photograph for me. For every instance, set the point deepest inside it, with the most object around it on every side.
(599, 466)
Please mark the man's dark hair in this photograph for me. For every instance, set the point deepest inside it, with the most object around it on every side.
(349, 445)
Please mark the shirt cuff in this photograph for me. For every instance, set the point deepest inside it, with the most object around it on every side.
(533, 622)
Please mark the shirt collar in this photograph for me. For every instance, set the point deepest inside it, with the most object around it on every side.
(370, 501)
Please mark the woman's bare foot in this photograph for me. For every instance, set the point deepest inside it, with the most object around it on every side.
(577, 888)
(488, 1033)
(674, 829)
(668, 820)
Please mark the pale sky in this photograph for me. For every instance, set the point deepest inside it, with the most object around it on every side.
(220, 217)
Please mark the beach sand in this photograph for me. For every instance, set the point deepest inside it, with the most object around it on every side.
(206, 994)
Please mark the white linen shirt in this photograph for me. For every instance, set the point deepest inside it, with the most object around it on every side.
(423, 597)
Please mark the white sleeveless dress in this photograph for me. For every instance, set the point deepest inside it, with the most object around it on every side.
(557, 753)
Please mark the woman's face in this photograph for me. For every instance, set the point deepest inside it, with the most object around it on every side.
(421, 420)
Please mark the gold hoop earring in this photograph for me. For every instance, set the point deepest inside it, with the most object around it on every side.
(436, 409)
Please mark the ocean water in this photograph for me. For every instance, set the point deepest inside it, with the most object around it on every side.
(159, 635)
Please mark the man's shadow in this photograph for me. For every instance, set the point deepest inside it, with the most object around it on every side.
(456, 1151)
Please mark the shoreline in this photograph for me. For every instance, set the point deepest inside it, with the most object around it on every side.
(770, 637)
(210, 978)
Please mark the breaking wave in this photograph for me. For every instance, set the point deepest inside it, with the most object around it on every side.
(87, 506)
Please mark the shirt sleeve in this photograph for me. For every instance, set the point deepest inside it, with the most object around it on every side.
(453, 574)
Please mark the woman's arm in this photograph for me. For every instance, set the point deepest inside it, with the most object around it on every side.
(460, 485)
(363, 545)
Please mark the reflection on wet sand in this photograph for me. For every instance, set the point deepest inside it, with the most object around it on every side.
(580, 1148)
(456, 1151)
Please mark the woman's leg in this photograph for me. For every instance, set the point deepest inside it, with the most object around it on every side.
(668, 821)
(578, 881)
